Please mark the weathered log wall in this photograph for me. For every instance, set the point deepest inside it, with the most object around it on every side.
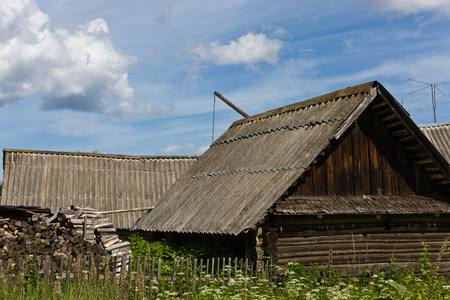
(355, 246)
(368, 159)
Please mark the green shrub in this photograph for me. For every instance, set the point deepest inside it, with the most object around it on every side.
(167, 249)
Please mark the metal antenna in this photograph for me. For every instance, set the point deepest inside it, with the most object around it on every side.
(433, 87)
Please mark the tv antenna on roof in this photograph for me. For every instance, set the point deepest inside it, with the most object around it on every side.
(433, 93)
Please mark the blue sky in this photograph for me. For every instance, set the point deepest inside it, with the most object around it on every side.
(137, 77)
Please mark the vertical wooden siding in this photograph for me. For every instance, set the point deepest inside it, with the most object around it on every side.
(367, 159)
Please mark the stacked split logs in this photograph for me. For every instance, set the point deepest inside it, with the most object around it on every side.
(71, 232)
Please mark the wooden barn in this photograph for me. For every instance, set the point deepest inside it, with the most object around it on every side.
(347, 173)
(123, 186)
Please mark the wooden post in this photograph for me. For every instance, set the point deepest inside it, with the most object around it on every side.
(83, 266)
(151, 278)
(246, 267)
(130, 266)
(152, 269)
(138, 262)
(53, 270)
(194, 274)
(218, 268)
(159, 271)
(46, 267)
(92, 266)
(229, 269)
(144, 267)
(122, 267)
(173, 273)
(207, 270)
(200, 273)
(182, 265)
(69, 265)
(223, 269)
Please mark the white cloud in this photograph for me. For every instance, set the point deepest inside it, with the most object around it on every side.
(189, 149)
(140, 110)
(77, 69)
(402, 7)
(249, 50)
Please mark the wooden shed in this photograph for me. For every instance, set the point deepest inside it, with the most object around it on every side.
(347, 172)
(123, 186)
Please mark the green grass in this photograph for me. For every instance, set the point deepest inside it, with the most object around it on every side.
(291, 281)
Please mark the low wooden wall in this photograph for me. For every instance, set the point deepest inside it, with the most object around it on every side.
(354, 249)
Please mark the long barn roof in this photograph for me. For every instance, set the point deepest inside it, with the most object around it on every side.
(233, 185)
(128, 185)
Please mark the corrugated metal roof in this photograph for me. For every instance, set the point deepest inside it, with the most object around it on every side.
(439, 135)
(251, 165)
(106, 182)
(233, 185)
(366, 204)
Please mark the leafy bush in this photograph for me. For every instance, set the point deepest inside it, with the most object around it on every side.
(167, 249)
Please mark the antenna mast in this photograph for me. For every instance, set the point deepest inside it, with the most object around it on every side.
(231, 105)
(433, 93)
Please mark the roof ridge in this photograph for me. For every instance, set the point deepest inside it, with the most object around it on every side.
(273, 130)
(429, 125)
(104, 155)
(342, 93)
(247, 170)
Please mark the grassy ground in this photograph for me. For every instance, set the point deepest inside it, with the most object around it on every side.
(286, 282)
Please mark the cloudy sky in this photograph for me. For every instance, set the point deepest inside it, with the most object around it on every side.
(138, 77)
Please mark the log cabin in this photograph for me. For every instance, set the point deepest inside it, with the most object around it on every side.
(346, 176)
(122, 186)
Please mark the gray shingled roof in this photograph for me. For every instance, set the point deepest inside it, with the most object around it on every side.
(233, 185)
(439, 135)
(107, 182)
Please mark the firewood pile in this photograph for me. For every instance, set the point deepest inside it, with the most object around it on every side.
(74, 231)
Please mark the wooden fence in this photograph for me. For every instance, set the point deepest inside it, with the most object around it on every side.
(194, 271)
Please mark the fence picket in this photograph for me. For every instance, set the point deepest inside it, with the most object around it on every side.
(130, 265)
(46, 261)
(173, 273)
(159, 270)
(200, 273)
(69, 266)
(53, 271)
(207, 270)
(246, 267)
(218, 268)
(189, 272)
(229, 269)
(194, 274)
(138, 261)
(152, 269)
(144, 268)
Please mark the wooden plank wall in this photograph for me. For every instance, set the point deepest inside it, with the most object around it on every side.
(365, 160)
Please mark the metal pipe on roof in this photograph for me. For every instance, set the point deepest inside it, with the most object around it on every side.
(231, 105)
